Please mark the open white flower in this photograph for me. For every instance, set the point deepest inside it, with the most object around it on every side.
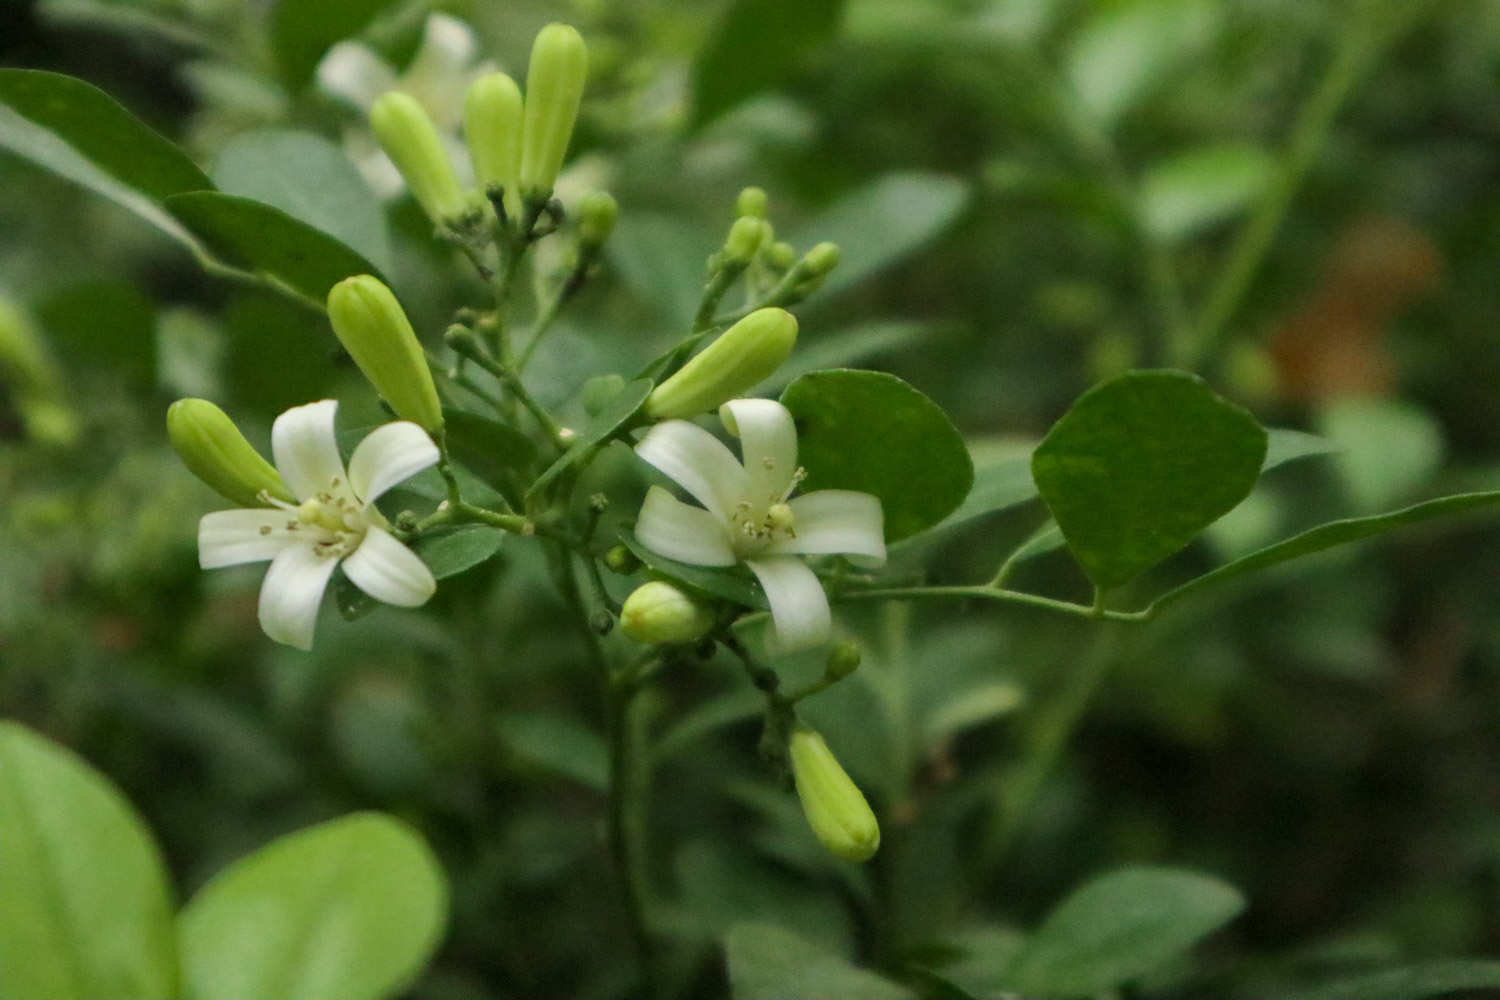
(336, 521)
(748, 513)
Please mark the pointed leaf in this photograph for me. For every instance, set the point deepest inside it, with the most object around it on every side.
(1190, 191)
(769, 963)
(1413, 982)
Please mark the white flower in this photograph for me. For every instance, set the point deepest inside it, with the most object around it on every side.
(438, 76)
(748, 514)
(336, 521)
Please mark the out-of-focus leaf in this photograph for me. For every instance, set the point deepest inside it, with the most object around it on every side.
(85, 911)
(757, 44)
(661, 258)
(973, 707)
(871, 432)
(1118, 927)
(1388, 448)
(310, 179)
(985, 953)
(1190, 191)
(352, 908)
(1126, 49)
(841, 348)
(558, 745)
(609, 418)
(302, 30)
(721, 885)
(1140, 465)
(880, 223)
(737, 705)
(1412, 982)
(108, 325)
(490, 449)
(769, 963)
(1283, 446)
(268, 240)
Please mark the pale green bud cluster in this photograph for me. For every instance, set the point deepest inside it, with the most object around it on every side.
(742, 356)
(835, 808)
(752, 202)
(33, 381)
(410, 139)
(374, 330)
(554, 89)
(215, 451)
(659, 614)
(493, 119)
(746, 237)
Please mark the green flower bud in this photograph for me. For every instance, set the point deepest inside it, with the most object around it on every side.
(215, 451)
(376, 333)
(752, 202)
(843, 660)
(821, 259)
(834, 806)
(781, 255)
(659, 613)
(411, 141)
(492, 129)
(596, 218)
(742, 356)
(554, 87)
(621, 560)
(746, 237)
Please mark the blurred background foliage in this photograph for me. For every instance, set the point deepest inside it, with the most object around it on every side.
(1031, 195)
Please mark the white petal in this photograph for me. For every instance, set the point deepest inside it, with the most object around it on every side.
(388, 455)
(698, 462)
(389, 571)
(291, 593)
(799, 609)
(841, 522)
(231, 537)
(681, 531)
(448, 44)
(307, 454)
(768, 444)
(353, 72)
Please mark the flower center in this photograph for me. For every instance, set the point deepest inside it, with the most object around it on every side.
(329, 521)
(754, 526)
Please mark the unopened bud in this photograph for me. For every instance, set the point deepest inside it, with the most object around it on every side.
(742, 356)
(745, 238)
(821, 259)
(596, 218)
(554, 88)
(752, 201)
(621, 560)
(492, 130)
(843, 660)
(215, 451)
(781, 255)
(410, 139)
(658, 613)
(834, 806)
(375, 331)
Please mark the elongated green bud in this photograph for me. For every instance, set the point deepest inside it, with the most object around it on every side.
(658, 613)
(821, 259)
(375, 331)
(215, 451)
(410, 139)
(746, 237)
(554, 87)
(597, 213)
(834, 806)
(745, 354)
(492, 128)
(781, 255)
(752, 201)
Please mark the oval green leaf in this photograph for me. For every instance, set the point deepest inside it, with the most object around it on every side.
(351, 909)
(871, 432)
(85, 911)
(1140, 465)
(1412, 982)
(769, 963)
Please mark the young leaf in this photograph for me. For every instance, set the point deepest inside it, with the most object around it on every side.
(351, 908)
(1126, 49)
(758, 44)
(558, 745)
(1120, 926)
(871, 432)
(85, 911)
(768, 963)
(1413, 982)
(1184, 194)
(1140, 465)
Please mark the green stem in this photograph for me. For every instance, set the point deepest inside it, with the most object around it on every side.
(987, 592)
(629, 787)
(570, 286)
(461, 339)
(722, 279)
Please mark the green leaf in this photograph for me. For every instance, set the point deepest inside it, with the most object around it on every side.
(1140, 465)
(101, 130)
(310, 179)
(1127, 49)
(558, 745)
(450, 553)
(611, 417)
(1002, 479)
(1120, 926)
(1326, 536)
(349, 909)
(268, 240)
(1283, 446)
(871, 432)
(109, 325)
(1183, 195)
(488, 448)
(731, 584)
(769, 963)
(85, 911)
(757, 45)
(1413, 982)
(1389, 448)
(661, 258)
(878, 224)
(302, 30)
(739, 704)
(843, 347)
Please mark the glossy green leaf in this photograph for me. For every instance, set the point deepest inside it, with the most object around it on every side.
(1283, 446)
(101, 130)
(303, 30)
(731, 584)
(1188, 192)
(1140, 465)
(310, 179)
(1125, 50)
(757, 45)
(1412, 982)
(85, 911)
(609, 419)
(769, 963)
(450, 553)
(871, 432)
(268, 240)
(839, 348)
(558, 745)
(882, 222)
(1002, 479)
(488, 448)
(1120, 926)
(351, 909)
